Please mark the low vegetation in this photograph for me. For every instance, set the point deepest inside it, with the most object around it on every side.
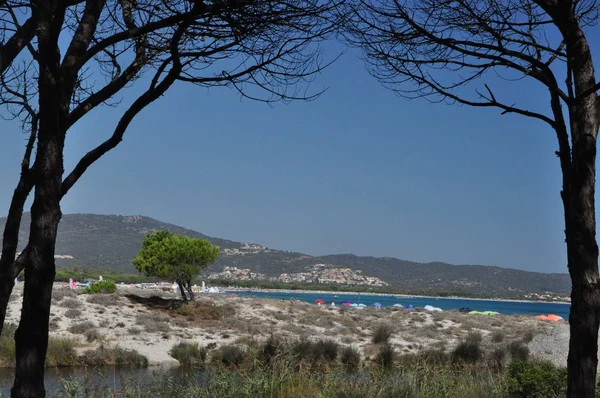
(382, 333)
(189, 353)
(116, 356)
(81, 327)
(105, 300)
(104, 287)
(234, 371)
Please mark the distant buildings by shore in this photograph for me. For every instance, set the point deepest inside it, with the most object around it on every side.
(316, 274)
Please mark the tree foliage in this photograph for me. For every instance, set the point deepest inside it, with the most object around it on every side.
(468, 52)
(179, 258)
(62, 59)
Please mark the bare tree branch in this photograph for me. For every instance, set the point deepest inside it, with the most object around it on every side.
(12, 48)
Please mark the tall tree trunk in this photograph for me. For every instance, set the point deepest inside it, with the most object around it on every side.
(579, 185)
(582, 255)
(9, 268)
(584, 318)
(32, 335)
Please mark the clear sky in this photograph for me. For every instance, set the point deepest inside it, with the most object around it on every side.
(359, 170)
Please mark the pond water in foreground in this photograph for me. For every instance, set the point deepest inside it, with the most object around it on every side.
(446, 304)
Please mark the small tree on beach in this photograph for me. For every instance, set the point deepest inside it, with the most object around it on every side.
(63, 60)
(179, 258)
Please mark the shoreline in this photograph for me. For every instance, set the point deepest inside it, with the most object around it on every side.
(247, 289)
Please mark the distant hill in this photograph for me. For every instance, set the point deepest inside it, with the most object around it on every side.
(112, 241)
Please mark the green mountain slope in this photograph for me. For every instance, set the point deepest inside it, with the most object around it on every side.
(112, 241)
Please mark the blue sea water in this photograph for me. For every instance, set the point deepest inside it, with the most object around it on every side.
(446, 304)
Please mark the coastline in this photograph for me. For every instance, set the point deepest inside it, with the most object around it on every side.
(287, 291)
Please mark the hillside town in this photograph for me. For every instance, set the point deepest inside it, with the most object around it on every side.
(547, 296)
(318, 273)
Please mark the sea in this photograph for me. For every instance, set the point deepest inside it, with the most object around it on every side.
(446, 304)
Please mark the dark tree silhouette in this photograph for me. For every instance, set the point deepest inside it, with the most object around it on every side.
(265, 49)
(411, 45)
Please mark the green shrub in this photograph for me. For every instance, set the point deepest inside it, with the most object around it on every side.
(105, 300)
(117, 356)
(350, 358)
(303, 350)
(386, 356)
(61, 293)
(189, 353)
(536, 379)
(474, 338)
(81, 327)
(7, 343)
(72, 313)
(518, 351)
(101, 287)
(70, 303)
(467, 351)
(497, 357)
(434, 356)
(230, 355)
(92, 335)
(270, 350)
(61, 352)
(327, 349)
(382, 333)
(497, 336)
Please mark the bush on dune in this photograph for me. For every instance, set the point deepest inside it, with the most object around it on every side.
(538, 379)
(117, 356)
(104, 286)
(61, 352)
(189, 353)
(382, 333)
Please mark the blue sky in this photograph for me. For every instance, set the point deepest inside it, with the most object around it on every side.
(359, 170)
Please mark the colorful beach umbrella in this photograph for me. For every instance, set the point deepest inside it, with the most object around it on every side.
(320, 301)
(490, 313)
(410, 307)
(398, 305)
(346, 304)
(233, 295)
(378, 305)
(362, 305)
(555, 318)
(550, 317)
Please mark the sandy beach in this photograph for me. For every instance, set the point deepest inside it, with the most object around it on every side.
(128, 319)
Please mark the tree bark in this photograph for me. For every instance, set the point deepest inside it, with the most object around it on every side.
(582, 255)
(580, 216)
(32, 334)
(9, 268)
(182, 290)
